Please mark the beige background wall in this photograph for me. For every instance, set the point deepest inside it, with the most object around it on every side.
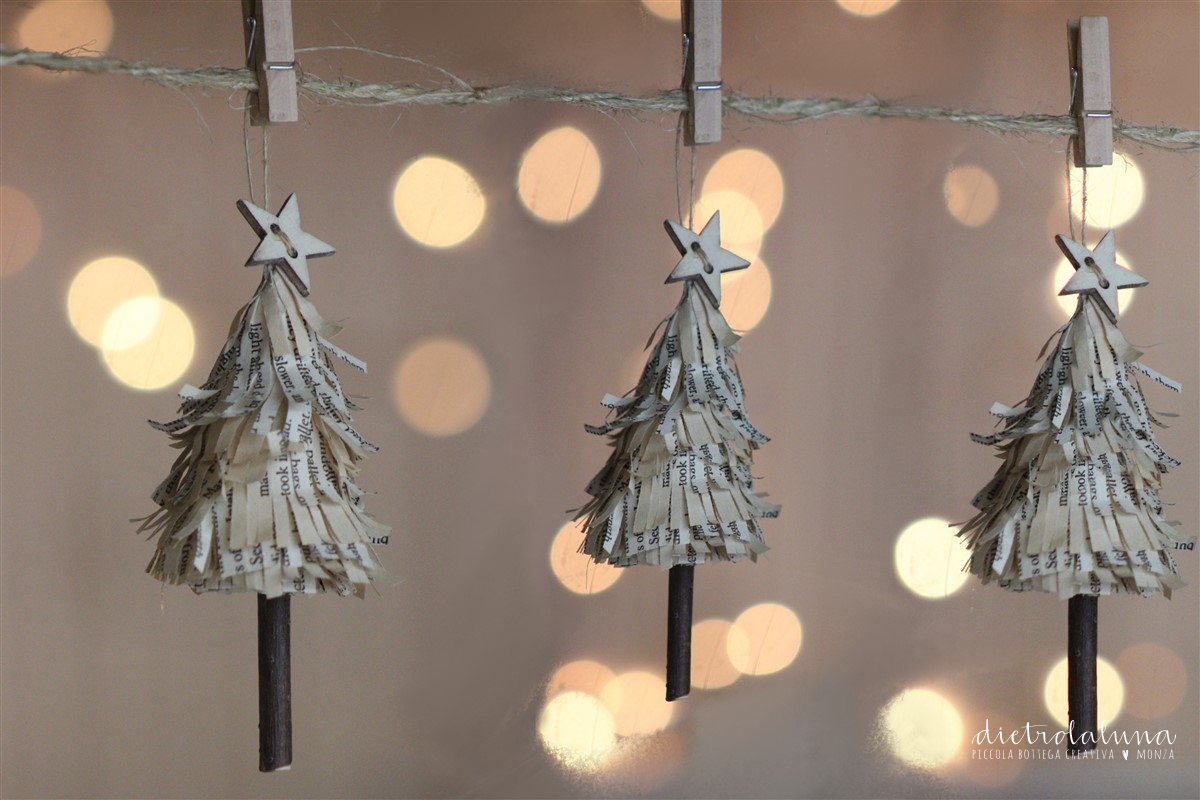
(891, 331)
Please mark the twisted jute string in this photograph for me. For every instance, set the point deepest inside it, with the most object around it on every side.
(767, 109)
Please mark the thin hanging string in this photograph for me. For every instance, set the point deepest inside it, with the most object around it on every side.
(692, 187)
(266, 169)
(1071, 188)
(678, 154)
(246, 151)
(679, 130)
(1083, 207)
(679, 177)
(1074, 146)
(1071, 196)
(266, 164)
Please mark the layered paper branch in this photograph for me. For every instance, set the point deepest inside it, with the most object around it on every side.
(677, 488)
(263, 496)
(1074, 508)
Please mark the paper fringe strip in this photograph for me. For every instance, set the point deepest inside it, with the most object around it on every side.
(1074, 509)
(263, 495)
(677, 488)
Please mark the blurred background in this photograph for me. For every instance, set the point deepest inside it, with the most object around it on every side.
(500, 269)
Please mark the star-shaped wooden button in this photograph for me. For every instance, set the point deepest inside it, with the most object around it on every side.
(283, 244)
(703, 256)
(1097, 271)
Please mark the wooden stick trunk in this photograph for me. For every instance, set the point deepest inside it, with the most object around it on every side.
(679, 631)
(274, 683)
(1082, 628)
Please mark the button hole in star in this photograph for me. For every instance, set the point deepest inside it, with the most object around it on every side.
(698, 250)
(283, 237)
(1091, 262)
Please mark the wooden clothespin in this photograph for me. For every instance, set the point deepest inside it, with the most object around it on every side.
(1091, 90)
(271, 54)
(702, 70)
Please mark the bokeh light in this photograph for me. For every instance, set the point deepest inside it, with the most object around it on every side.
(60, 27)
(867, 8)
(972, 195)
(664, 9)
(646, 763)
(99, 288)
(746, 295)
(437, 202)
(1067, 303)
(130, 323)
(159, 357)
(637, 701)
(1110, 692)
(711, 665)
(1157, 680)
(575, 570)
(993, 772)
(441, 386)
(20, 230)
(577, 731)
(754, 175)
(769, 639)
(741, 223)
(584, 675)
(924, 728)
(1114, 192)
(559, 175)
(930, 559)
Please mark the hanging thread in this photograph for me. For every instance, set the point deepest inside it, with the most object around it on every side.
(266, 167)
(1071, 196)
(679, 132)
(678, 155)
(1070, 190)
(1083, 207)
(692, 187)
(246, 150)
(679, 177)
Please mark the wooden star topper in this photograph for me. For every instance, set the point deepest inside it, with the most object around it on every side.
(703, 256)
(1097, 272)
(283, 244)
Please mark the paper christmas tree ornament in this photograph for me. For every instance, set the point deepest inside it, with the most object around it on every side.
(677, 489)
(1074, 508)
(264, 495)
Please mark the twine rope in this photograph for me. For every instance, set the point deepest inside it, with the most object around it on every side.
(781, 110)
